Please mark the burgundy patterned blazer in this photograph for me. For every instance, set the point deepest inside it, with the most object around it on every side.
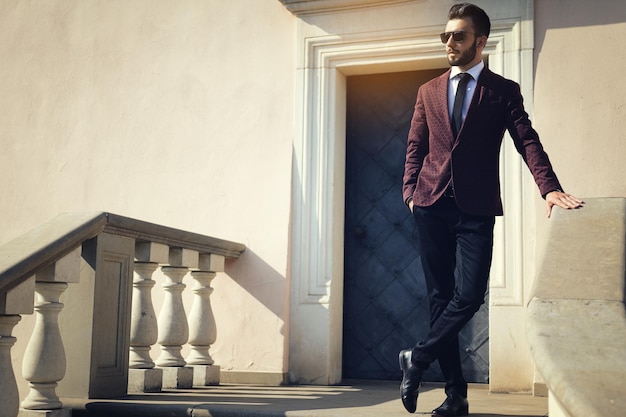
(434, 159)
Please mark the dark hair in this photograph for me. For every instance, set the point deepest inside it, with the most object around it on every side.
(481, 22)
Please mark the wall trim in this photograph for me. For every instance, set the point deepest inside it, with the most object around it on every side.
(304, 7)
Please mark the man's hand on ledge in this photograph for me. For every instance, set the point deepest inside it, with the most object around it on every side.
(563, 200)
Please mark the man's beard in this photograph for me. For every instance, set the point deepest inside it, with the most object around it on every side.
(466, 57)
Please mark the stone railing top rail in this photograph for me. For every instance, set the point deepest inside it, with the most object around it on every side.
(576, 316)
(49, 242)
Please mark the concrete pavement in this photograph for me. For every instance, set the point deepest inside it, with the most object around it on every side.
(356, 398)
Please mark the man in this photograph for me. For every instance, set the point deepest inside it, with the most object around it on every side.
(452, 187)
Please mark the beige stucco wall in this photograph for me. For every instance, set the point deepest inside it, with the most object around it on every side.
(182, 113)
(176, 113)
(580, 97)
(580, 93)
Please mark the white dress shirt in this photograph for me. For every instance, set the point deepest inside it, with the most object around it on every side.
(471, 86)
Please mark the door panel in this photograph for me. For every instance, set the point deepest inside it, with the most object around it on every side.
(385, 304)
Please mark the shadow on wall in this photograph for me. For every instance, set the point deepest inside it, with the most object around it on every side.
(562, 14)
(261, 281)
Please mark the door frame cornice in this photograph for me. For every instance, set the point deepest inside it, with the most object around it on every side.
(304, 7)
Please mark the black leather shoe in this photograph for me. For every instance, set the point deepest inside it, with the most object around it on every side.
(454, 406)
(411, 380)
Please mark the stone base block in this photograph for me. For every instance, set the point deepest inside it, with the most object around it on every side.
(256, 378)
(60, 412)
(540, 389)
(204, 375)
(177, 377)
(145, 380)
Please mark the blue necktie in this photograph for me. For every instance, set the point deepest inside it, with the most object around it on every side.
(457, 109)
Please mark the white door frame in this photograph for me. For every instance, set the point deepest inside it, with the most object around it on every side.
(316, 260)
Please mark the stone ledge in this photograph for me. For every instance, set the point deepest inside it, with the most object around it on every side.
(585, 254)
(579, 347)
(576, 317)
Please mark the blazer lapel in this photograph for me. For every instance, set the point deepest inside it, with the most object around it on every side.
(477, 99)
(441, 91)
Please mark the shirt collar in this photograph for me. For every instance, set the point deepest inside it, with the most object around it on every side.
(474, 71)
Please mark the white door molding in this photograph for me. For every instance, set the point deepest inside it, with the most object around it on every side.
(316, 261)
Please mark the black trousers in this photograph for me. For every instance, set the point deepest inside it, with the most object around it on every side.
(456, 251)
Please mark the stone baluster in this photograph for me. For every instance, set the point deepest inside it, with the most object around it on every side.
(143, 376)
(44, 359)
(18, 300)
(203, 331)
(9, 396)
(172, 321)
(143, 327)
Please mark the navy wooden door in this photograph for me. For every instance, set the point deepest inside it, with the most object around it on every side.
(385, 304)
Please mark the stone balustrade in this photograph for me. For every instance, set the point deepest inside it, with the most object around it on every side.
(106, 266)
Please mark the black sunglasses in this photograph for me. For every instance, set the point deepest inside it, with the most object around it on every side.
(457, 36)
